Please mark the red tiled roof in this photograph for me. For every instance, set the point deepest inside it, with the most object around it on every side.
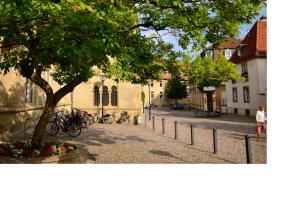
(255, 43)
(230, 43)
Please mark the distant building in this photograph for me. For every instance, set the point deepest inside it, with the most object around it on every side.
(155, 91)
(251, 58)
(198, 99)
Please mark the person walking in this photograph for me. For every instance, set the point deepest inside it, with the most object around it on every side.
(260, 120)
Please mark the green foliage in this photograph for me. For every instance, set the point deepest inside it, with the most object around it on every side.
(204, 72)
(143, 98)
(175, 88)
(75, 35)
(71, 36)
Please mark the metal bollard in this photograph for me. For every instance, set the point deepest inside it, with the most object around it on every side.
(248, 149)
(163, 125)
(215, 140)
(175, 129)
(153, 124)
(192, 135)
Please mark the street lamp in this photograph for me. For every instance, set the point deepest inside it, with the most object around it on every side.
(149, 107)
(102, 77)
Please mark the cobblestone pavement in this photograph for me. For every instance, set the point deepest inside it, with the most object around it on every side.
(121, 143)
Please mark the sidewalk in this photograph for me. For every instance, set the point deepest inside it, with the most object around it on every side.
(120, 143)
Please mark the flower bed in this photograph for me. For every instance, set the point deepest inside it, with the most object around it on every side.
(52, 152)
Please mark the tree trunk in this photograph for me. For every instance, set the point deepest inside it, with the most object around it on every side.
(51, 102)
(210, 107)
(40, 129)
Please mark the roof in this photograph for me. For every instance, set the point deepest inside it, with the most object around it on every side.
(230, 43)
(254, 44)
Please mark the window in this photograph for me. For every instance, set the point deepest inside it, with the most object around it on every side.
(247, 112)
(234, 95)
(239, 51)
(245, 71)
(160, 95)
(29, 91)
(227, 53)
(96, 96)
(152, 94)
(233, 81)
(160, 83)
(209, 53)
(246, 94)
(235, 111)
(114, 96)
(151, 83)
(152, 97)
(105, 97)
(166, 72)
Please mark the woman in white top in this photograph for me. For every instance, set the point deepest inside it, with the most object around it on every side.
(260, 120)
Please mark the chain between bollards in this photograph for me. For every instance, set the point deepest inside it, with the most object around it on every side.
(192, 134)
(215, 141)
(248, 149)
(175, 130)
(153, 124)
(163, 125)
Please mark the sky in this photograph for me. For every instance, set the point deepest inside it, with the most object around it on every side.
(243, 31)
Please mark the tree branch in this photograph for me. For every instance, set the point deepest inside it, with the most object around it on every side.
(65, 90)
(43, 84)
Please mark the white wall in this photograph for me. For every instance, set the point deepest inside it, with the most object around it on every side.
(257, 71)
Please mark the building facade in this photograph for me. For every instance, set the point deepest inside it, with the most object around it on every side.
(155, 92)
(244, 97)
(20, 99)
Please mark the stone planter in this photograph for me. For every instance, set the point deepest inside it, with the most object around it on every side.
(78, 156)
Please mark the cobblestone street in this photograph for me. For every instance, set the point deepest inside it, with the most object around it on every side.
(122, 143)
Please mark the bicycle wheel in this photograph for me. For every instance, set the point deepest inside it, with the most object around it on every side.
(110, 120)
(74, 129)
(52, 128)
(29, 126)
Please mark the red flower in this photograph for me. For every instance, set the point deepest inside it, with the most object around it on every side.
(19, 145)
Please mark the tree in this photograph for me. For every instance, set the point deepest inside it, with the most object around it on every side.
(204, 72)
(69, 37)
(175, 89)
(143, 99)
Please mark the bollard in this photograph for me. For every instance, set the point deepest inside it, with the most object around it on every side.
(248, 149)
(149, 113)
(163, 125)
(192, 135)
(215, 140)
(175, 129)
(153, 124)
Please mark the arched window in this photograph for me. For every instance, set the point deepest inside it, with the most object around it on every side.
(96, 96)
(114, 96)
(105, 97)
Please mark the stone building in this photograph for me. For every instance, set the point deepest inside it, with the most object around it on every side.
(21, 99)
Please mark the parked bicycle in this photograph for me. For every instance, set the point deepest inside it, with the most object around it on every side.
(108, 118)
(124, 118)
(69, 123)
